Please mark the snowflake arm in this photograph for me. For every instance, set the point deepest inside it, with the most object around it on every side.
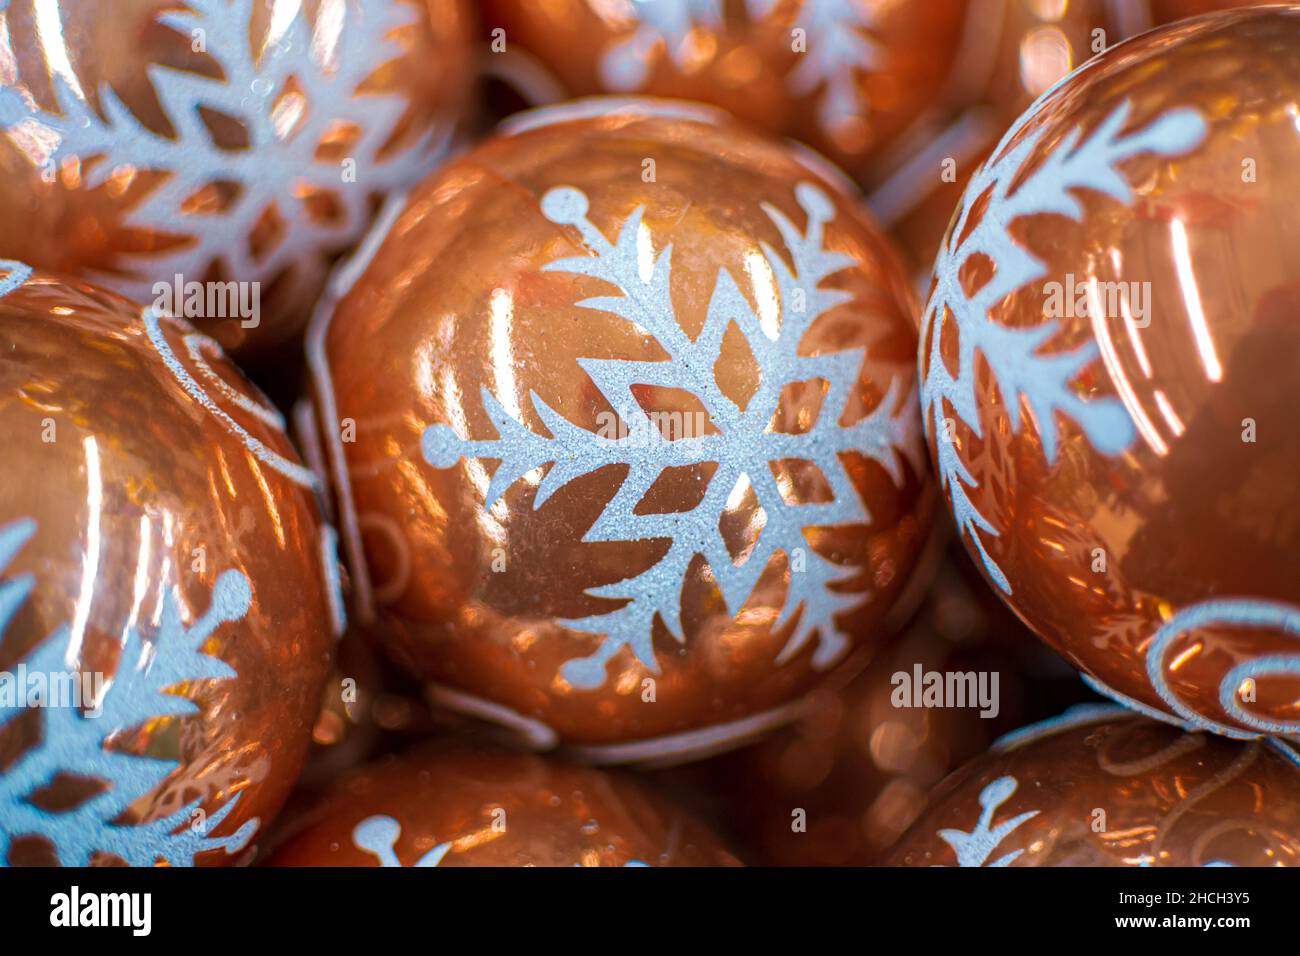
(1023, 373)
(839, 51)
(378, 836)
(974, 848)
(75, 744)
(626, 65)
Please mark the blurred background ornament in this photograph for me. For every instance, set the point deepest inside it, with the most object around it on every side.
(626, 453)
(848, 77)
(1101, 786)
(459, 806)
(165, 585)
(1110, 371)
(218, 154)
(1011, 52)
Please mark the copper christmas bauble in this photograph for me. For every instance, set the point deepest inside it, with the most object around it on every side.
(165, 608)
(212, 157)
(1110, 374)
(1105, 787)
(470, 807)
(622, 427)
(850, 77)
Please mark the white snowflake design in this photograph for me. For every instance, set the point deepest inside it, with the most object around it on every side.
(73, 743)
(742, 445)
(975, 847)
(271, 171)
(626, 65)
(378, 836)
(1022, 373)
(839, 48)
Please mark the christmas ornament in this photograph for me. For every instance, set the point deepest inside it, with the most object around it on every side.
(1101, 786)
(462, 807)
(212, 158)
(1015, 50)
(165, 610)
(644, 467)
(848, 77)
(1109, 377)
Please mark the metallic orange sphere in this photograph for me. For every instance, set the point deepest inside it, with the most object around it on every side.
(1104, 787)
(461, 807)
(623, 428)
(1109, 370)
(165, 604)
(212, 157)
(850, 77)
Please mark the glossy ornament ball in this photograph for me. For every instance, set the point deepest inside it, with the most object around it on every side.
(1109, 371)
(622, 427)
(1105, 787)
(164, 599)
(462, 807)
(213, 157)
(849, 77)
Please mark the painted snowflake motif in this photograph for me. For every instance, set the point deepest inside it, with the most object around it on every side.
(73, 743)
(273, 169)
(743, 443)
(626, 66)
(839, 48)
(1024, 374)
(12, 275)
(378, 836)
(975, 848)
